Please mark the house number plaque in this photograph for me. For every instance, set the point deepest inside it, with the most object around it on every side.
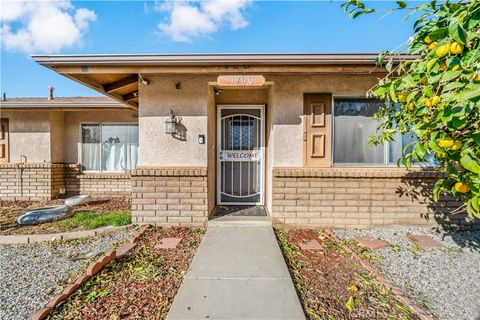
(241, 80)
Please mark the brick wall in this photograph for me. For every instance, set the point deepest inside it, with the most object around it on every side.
(170, 196)
(104, 184)
(354, 198)
(30, 181)
(72, 183)
(44, 181)
(58, 180)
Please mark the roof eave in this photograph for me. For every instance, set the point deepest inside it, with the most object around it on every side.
(212, 59)
(61, 105)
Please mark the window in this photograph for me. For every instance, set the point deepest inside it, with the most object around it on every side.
(109, 147)
(353, 124)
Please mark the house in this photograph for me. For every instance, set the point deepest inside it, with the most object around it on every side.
(185, 134)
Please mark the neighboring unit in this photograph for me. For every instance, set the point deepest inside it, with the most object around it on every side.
(64, 146)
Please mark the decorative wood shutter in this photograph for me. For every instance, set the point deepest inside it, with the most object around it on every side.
(4, 141)
(317, 130)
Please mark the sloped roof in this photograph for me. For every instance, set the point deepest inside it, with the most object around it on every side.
(61, 102)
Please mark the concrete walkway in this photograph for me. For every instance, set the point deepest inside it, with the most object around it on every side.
(238, 273)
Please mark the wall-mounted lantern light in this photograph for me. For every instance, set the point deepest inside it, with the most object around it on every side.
(171, 123)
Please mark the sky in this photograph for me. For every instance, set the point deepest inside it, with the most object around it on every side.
(214, 26)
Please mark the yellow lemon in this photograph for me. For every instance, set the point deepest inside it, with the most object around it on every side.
(462, 153)
(432, 45)
(427, 40)
(446, 142)
(462, 187)
(456, 48)
(457, 144)
(428, 102)
(442, 51)
(478, 77)
(435, 100)
(402, 97)
(411, 106)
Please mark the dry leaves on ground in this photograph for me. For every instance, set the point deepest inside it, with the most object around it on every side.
(141, 285)
(332, 285)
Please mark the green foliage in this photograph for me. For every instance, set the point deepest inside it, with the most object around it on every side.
(91, 220)
(144, 271)
(436, 94)
(97, 294)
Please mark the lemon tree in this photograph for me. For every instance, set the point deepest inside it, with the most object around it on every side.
(435, 94)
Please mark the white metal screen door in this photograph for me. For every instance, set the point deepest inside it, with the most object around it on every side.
(240, 155)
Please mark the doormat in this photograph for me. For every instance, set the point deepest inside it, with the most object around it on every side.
(221, 211)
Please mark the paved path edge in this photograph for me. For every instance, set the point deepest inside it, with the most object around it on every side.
(40, 237)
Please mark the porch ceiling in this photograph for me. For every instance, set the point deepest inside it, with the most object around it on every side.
(122, 87)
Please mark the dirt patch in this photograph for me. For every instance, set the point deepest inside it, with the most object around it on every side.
(11, 210)
(141, 285)
(332, 285)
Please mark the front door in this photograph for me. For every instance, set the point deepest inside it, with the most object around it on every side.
(240, 155)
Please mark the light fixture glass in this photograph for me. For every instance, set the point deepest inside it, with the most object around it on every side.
(171, 124)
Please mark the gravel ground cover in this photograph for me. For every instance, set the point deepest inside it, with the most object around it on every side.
(31, 274)
(332, 285)
(11, 210)
(139, 285)
(444, 282)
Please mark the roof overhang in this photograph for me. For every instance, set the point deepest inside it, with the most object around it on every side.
(61, 105)
(117, 75)
(211, 59)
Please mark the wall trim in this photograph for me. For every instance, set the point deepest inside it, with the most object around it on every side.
(170, 171)
(32, 165)
(104, 175)
(387, 172)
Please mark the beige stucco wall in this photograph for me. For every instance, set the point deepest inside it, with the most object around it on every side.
(189, 102)
(29, 135)
(56, 135)
(72, 123)
(287, 109)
